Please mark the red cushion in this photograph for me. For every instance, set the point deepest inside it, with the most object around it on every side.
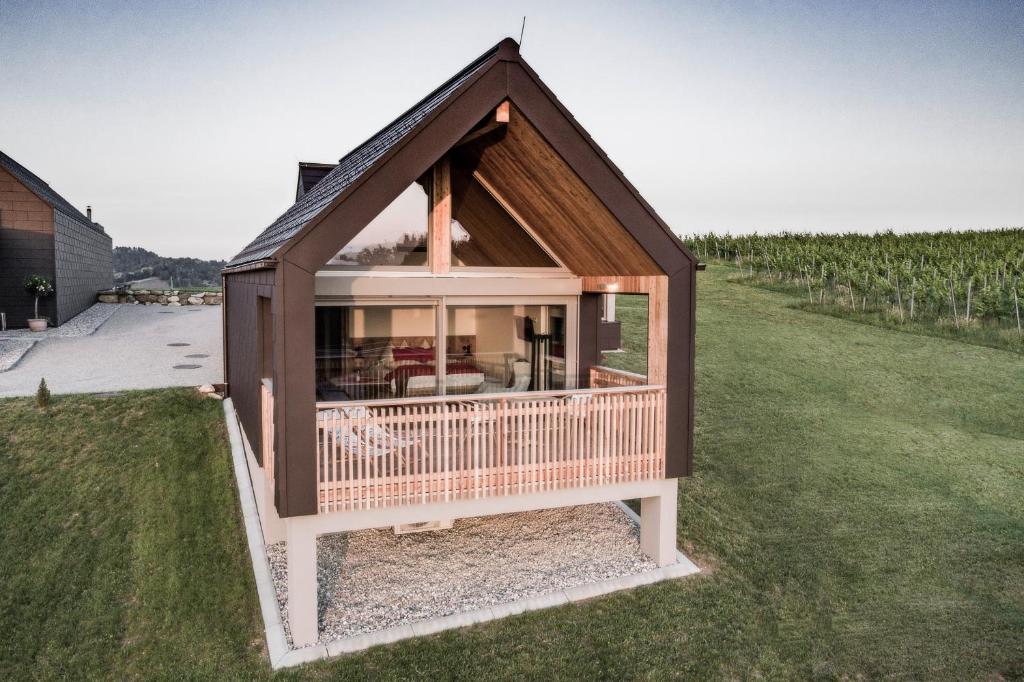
(416, 354)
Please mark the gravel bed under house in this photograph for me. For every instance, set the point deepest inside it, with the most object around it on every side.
(371, 580)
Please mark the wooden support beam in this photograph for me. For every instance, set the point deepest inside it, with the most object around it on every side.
(439, 244)
(657, 331)
(501, 114)
(500, 120)
(619, 284)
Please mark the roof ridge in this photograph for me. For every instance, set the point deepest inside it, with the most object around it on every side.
(352, 166)
(469, 68)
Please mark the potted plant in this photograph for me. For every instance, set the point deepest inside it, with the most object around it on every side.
(39, 287)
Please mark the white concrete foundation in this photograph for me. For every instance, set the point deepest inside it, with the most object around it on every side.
(658, 524)
(302, 587)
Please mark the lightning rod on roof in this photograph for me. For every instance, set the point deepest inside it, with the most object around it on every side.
(522, 29)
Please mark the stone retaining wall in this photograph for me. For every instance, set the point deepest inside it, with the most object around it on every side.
(172, 297)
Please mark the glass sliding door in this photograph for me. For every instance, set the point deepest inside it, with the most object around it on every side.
(505, 348)
(367, 352)
(373, 351)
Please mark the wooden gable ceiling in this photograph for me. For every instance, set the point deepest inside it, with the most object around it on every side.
(533, 180)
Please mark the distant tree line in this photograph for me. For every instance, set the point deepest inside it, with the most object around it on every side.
(133, 263)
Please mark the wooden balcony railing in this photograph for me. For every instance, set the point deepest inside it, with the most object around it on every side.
(606, 377)
(387, 453)
(267, 436)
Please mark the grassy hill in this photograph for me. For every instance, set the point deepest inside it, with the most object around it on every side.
(134, 263)
(858, 508)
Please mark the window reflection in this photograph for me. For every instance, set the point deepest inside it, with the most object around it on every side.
(505, 348)
(396, 237)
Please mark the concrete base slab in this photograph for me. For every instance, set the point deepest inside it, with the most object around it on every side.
(282, 656)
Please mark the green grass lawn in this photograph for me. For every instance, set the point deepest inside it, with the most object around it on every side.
(858, 507)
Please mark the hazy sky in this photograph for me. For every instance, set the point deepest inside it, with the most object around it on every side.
(182, 123)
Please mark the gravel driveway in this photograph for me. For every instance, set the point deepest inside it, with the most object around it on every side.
(130, 350)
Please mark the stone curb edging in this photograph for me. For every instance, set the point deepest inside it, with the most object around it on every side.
(277, 644)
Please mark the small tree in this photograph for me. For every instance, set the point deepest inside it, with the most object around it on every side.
(43, 395)
(40, 287)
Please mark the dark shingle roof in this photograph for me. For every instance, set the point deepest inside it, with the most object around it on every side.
(310, 174)
(351, 167)
(38, 186)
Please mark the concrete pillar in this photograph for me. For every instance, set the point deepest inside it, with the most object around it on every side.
(302, 588)
(658, 524)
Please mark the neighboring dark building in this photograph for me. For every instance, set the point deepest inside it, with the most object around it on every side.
(42, 234)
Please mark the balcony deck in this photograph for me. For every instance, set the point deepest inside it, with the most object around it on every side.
(389, 453)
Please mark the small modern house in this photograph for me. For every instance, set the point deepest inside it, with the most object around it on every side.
(418, 338)
(41, 233)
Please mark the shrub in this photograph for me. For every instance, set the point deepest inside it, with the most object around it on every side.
(40, 287)
(43, 395)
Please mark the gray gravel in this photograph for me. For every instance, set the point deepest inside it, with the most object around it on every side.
(373, 579)
(12, 350)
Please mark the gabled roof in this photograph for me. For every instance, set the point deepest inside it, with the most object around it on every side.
(309, 174)
(41, 189)
(351, 167)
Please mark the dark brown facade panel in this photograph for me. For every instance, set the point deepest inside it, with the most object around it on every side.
(680, 375)
(589, 332)
(241, 370)
(295, 493)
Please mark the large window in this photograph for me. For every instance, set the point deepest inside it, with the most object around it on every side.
(483, 232)
(366, 352)
(370, 352)
(396, 237)
(496, 348)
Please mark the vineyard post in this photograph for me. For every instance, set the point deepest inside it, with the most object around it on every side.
(913, 288)
(952, 300)
(853, 304)
(899, 299)
(1016, 308)
(969, 283)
